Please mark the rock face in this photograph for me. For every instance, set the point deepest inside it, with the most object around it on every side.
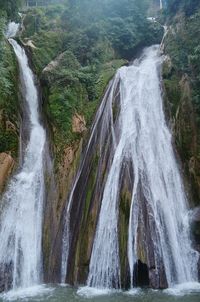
(57, 191)
(186, 132)
(29, 43)
(6, 166)
(78, 124)
(54, 64)
(196, 226)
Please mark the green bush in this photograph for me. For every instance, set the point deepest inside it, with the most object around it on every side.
(87, 40)
(8, 93)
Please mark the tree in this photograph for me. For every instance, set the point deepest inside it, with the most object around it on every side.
(11, 7)
(188, 6)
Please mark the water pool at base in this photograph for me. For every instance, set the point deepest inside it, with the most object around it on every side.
(183, 293)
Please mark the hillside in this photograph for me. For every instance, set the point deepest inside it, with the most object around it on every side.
(181, 76)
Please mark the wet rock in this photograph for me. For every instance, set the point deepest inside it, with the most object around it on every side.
(199, 268)
(57, 190)
(6, 166)
(125, 196)
(6, 272)
(147, 239)
(141, 274)
(195, 220)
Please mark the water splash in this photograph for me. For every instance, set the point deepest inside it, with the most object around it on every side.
(12, 29)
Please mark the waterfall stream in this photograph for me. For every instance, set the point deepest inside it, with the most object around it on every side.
(22, 203)
(158, 231)
(105, 106)
(146, 140)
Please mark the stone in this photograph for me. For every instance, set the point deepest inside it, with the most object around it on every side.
(6, 166)
(30, 44)
(78, 123)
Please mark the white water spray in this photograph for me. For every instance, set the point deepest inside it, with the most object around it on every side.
(22, 204)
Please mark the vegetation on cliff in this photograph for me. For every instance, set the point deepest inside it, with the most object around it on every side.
(9, 106)
(84, 42)
(182, 83)
(10, 8)
(175, 6)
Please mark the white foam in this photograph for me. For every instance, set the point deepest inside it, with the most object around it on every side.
(183, 289)
(12, 29)
(29, 292)
(89, 292)
(133, 292)
(64, 285)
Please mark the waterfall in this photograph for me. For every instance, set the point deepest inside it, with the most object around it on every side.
(97, 136)
(22, 203)
(145, 140)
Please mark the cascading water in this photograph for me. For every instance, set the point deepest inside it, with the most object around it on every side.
(144, 139)
(22, 203)
(106, 105)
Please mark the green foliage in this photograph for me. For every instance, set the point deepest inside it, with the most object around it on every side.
(184, 50)
(84, 27)
(182, 85)
(194, 60)
(87, 40)
(10, 7)
(8, 94)
(173, 92)
(8, 141)
(187, 6)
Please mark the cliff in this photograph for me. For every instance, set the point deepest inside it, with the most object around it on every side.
(9, 109)
(181, 79)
